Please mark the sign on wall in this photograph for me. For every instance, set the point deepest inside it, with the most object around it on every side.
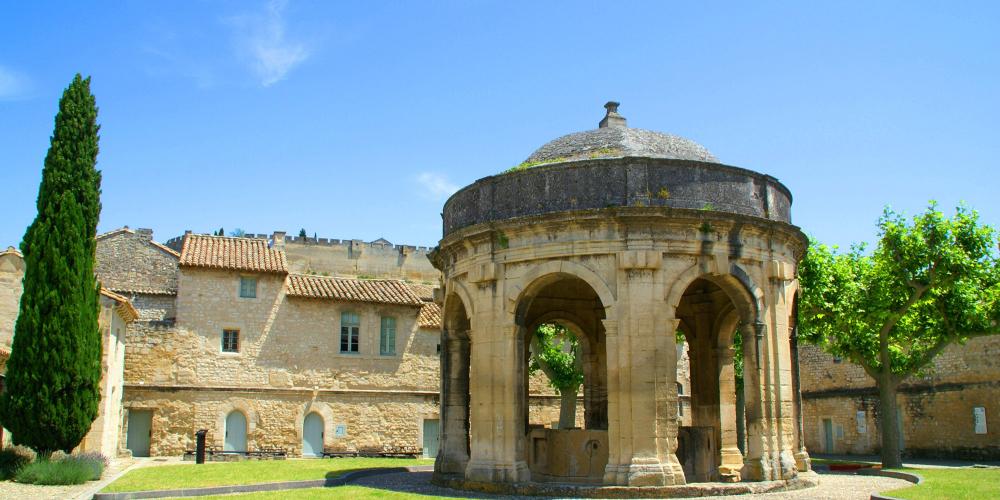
(340, 431)
(979, 419)
(862, 422)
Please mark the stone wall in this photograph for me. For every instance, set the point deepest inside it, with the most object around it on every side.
(370, 420)
(11, 274)
(356, 258)
(129, 261)
(936, 408)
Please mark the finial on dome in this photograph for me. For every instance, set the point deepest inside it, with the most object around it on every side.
(612, 119)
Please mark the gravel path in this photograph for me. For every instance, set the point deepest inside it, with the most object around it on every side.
(832, 486)
(10, 490)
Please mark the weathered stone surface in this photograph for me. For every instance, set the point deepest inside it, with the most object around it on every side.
(960, 379)
(610, 184)
(11, 274)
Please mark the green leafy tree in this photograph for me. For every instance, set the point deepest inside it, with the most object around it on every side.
(929, 282)
(51, 391)
(220, 232)
(556, 352)
(302, 233)
(237, 233)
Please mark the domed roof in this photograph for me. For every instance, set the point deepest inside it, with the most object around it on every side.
(615, 139)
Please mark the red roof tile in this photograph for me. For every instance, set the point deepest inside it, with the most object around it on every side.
(352, 290)
(430, 316)
(237, 254)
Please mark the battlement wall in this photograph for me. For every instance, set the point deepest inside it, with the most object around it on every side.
(346, 257)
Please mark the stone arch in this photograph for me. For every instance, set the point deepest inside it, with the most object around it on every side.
(572, 321)
(323, 410)
(243, 406)
(536, 279)
(737, 284)
(459, 289)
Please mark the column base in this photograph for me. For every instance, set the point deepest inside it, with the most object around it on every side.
(644, 472)
(802, 461)
(786, 465)
(758, 469)
(491, 472)
(731, 461)
(449, 466)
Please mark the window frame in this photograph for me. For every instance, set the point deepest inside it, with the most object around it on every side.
(350, 333)
(242, 288)
(223, 343)
(387, 336)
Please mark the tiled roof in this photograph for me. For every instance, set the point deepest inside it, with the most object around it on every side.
(352, 290)
(430, 316)
(425, 292)
(128, 311)
(238, 254)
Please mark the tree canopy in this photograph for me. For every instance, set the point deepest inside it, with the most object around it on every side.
(929, 282)
(52, 393)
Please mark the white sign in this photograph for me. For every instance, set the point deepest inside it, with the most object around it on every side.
(979, 417)
(862, 422)
(340, 431)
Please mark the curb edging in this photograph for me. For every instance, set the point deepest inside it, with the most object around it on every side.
(905, 476)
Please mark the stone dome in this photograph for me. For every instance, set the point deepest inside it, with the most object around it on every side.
(615, 139)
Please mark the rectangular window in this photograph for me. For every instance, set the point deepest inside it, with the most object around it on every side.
(387, 341)
(230, 341)
(248, 287)
(350, 326)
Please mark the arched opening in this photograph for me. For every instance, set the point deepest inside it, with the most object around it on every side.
(312, 435)
(236, 432)
(456, 358)
(576, 448)
(711, 314)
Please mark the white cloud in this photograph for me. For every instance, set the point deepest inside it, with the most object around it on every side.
(260, 39)
(435, 186)
(13, 85)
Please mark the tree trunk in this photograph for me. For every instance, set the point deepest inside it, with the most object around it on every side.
(567, 407)
(889, 424)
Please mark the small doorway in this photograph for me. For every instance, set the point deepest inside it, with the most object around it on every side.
(140, 429)
(312, 435)
(431, 433)
(236, 432)
(827, 435)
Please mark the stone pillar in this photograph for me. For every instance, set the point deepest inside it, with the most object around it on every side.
(453, 453)
(730, 458)
(757, 464)
(781, 385)
(802, 461)
(642, 372)
(498, 432)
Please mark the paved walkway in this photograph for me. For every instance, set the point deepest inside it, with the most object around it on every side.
(831, 487)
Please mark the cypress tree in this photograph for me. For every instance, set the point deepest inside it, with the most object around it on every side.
(52, 385)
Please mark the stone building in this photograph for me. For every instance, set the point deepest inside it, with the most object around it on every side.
(115, 316)
(624, 236)
(265, 358)
(949, 412)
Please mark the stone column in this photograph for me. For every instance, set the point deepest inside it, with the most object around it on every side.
(757, 464)
(642, 372)
(781, 386)
(498, 432)
(730, 458)
(802, 461)
(453, 453)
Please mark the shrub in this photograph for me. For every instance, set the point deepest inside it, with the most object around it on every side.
(48, 472)
(95, 461)
(13, 459)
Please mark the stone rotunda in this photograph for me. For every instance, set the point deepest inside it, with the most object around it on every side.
(629, 238)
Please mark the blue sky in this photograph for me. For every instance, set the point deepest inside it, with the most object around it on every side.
(357, 120)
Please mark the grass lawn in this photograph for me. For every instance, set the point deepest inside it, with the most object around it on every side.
(352, 492)
(168, 477)
(952, 484)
